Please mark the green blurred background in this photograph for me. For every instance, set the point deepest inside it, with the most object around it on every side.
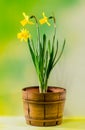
(16, 68)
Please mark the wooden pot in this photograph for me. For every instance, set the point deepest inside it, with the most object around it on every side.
(43, 109)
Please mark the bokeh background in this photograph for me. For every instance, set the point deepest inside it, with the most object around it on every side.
(16, 67)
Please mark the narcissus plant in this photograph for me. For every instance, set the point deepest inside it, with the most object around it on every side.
(45, 54)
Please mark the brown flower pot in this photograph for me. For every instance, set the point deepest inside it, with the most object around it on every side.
(43, 109)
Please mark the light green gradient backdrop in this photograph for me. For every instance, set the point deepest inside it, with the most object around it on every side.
(16, 68)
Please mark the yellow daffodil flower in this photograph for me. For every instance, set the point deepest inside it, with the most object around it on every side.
(44, 20)
(26, 20)
(23, 35)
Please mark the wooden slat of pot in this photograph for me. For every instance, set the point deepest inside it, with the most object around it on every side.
(45, 120)
(61, 109)
(42, 96)
(45, 96)
(51, 111)
(44, 102)
(25, 106)
(36, 96)
(36, 111)
(63, 95)
(56, 93)
(24, 94)
(52, 97)
(31, 93)
(34, 123)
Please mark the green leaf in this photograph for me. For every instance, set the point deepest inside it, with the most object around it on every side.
(50, 63)
(44, 44)
(34, 58)
(31, 52)
(43, 51)
(56, 52)
(60, 53)
(49, 46)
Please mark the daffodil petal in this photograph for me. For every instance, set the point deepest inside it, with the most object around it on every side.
(48, 23)
(24, 22)
(25, 16)
(23, 35)
(44, 20)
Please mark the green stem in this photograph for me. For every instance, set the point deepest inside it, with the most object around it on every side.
(38, 53)
(37, 26)
(52, 17)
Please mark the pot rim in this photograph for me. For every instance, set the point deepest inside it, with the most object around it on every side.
(51, 92)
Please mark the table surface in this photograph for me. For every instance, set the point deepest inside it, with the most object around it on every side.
(18, 123)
